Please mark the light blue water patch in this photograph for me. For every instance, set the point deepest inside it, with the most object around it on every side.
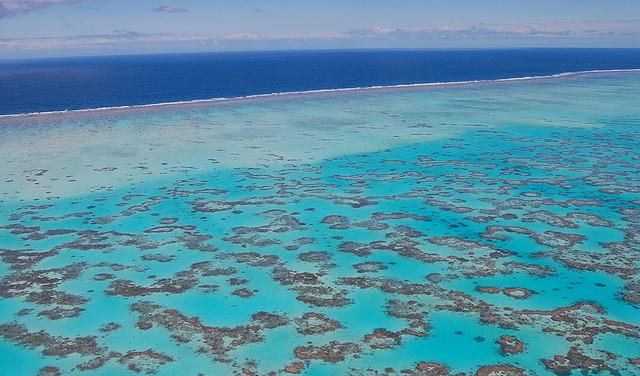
(18, 361)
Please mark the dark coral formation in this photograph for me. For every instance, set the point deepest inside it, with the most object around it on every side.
(332, 352)
(510, 345)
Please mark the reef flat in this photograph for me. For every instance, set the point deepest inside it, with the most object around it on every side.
(489, 229)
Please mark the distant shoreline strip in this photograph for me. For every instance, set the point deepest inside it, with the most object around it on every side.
(323, 91)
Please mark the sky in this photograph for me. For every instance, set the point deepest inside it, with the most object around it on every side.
(48, 28)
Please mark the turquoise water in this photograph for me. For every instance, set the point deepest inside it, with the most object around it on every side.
(479, 229)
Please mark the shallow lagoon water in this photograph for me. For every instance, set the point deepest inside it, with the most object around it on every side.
(483, 229)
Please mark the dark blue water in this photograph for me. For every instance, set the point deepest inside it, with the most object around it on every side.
(75, 83)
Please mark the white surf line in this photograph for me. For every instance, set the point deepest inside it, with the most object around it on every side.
(320, 91)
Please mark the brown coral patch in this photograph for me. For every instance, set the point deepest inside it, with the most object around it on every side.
(332, 352)
(243, 293)
(382, 339)
(56, 346)
(510, 345)
(294, 367)
(144, 361)
(500, 370)
(49, 371)
(369, 267)
(211, 339)
(575, 360)
(488, 290)
(58, 313)
(517, 292)
(322, 296)
(316, 323)
(431, 369)
(168, 285)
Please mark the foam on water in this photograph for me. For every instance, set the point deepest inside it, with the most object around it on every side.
(484, 229)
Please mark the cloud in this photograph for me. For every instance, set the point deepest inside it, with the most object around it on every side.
(14, 8)
(169, 9)
(115, 35)
(282, 37)
(452, 32)
(566, 30)
(97, 42)
(561, 34)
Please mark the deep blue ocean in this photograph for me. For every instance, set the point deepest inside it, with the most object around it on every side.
(90, 82)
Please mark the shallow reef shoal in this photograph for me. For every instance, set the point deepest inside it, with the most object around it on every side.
(489, 229)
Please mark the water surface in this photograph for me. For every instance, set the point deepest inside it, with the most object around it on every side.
(89, 82)
(488, 229)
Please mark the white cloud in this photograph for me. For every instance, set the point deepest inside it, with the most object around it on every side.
(13, 8)
(169, 9)
(598, 33)
(543, 30)
(118, 38)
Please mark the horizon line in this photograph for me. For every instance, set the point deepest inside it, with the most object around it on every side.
(275, 50)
